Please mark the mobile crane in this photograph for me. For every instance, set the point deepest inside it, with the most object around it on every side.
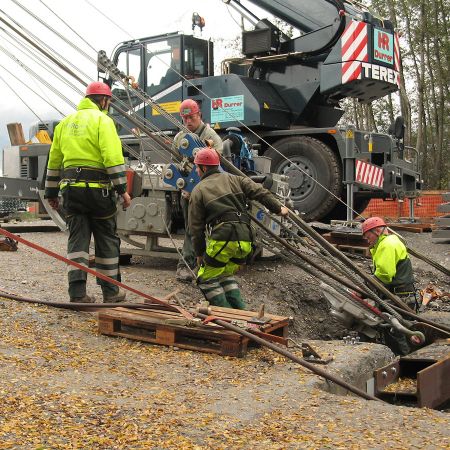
(284, 95)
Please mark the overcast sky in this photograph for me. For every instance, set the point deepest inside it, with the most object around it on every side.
(139, 18)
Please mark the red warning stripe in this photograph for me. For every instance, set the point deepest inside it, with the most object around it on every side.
(369, 174)
(354, 50)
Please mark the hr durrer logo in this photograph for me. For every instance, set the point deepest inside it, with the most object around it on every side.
(383, 46)
(220, 103)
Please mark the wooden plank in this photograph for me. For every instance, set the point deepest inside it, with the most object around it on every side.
(246, 318)
(218, 310)
(405, 227)
(165, 336)
(201, 330)
(363, 251)
(15, 132)
(157, 312)
(225, 343)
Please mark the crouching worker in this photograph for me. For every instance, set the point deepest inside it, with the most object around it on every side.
(392, 267)
(218, 207)
(391, 263)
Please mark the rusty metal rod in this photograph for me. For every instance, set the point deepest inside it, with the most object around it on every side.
(30, 244)
(311, 262)
(421, 256)
(421, 319)
(376, 285)
(291, 356)
(342, 280)
(371, 281)
(87, 307)
(429, 261)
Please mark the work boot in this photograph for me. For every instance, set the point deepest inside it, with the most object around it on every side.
(85, 299)
(184, 274)
(117, 298)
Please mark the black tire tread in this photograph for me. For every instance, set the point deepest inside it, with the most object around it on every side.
(334, 165)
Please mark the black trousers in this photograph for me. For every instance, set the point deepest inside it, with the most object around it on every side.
(91, 212)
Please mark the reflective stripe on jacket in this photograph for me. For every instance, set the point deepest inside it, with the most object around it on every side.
(391, 262)
(86, 138)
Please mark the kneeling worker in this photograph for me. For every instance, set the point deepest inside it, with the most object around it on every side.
(391, 263)
(218, 205)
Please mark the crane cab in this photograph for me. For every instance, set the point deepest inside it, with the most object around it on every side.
(157, 64)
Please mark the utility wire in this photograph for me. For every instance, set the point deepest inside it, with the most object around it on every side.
(20, 98)
(32, 90)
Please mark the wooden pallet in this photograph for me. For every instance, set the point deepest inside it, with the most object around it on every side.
(412, 227)
(350, 239)
(170, 328)
(350, 243)
(355, 249)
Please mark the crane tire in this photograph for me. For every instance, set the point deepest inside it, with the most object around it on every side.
(322, 165)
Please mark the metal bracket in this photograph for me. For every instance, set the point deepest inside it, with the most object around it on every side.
(260, 319)
(310, 355)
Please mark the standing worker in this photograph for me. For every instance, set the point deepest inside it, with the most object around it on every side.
(391, 263)
(219, 204)
(192, 119)
(87, 148)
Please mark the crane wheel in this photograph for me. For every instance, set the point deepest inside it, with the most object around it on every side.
(315, 174)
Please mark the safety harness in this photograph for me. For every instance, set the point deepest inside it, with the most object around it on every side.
(233, 218)
(85, 174)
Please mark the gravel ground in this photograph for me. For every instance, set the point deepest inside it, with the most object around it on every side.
(66, 387)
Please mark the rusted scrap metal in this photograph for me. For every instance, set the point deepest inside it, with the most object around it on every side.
(311, 355)
(431, 293)
(422, 377)
(8, 245)
(260, 318)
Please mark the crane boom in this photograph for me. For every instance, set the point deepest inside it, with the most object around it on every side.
(304, 15)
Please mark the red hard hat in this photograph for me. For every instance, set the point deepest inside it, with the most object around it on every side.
(207, 157)
(98, 88)
(371, 223)
(189, 107)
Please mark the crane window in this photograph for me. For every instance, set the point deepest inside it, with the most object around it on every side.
(128, 62)
(195, 62)
(163, 61)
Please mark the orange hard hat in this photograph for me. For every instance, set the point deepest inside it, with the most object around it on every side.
(207, 157)
(371, 223)
(189, 107)
(98, 88)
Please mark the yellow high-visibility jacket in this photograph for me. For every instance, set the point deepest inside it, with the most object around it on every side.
(87, 138)
(391, 263)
